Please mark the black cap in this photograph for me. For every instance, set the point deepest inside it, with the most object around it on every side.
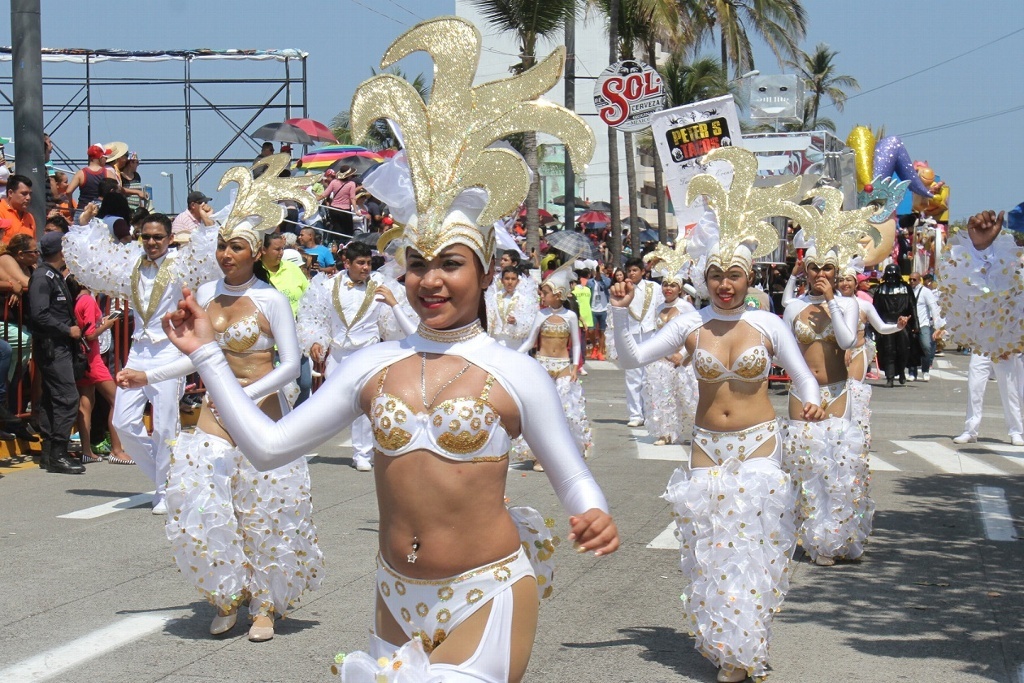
(51, 243)
(197, 196)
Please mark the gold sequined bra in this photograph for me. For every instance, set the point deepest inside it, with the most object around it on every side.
(753, 365)
(464, 429)
(806, 335)
(244, 336)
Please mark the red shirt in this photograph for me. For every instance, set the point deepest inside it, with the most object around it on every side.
(12, 224)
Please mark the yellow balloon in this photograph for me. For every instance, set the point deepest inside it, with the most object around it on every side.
(876, 253)
(862, 141)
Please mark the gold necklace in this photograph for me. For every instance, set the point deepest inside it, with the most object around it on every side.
(459, 334)
(423, 381)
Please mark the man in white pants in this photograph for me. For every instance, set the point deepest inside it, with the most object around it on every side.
(643, 322)
(343, 313)
(1010, 378)
(152, 281)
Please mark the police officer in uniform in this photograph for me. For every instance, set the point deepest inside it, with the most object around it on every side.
(54, 331)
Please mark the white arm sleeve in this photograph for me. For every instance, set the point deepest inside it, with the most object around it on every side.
(787, 351)
(575, 352)
(268, 444)
(845, 316)
(196, 261)
(531, 337)
(875, 320)
(179, 367)
(933, 309)
(789, 293)
(100, 263)
(314, 316)
(278, 312)
(664, 343)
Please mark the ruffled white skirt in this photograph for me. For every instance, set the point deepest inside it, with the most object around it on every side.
(860, 409)
(669, 400)
(829, 465)
(574, 405)
(410, 663)
(237, 533)
(736, 536)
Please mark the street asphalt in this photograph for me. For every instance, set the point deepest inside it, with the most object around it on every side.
(92, 594)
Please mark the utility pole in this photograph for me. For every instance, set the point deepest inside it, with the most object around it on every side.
(27, 73)
(569, 221)
(615, 245)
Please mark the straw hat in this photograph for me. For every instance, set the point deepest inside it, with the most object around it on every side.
(115, 150)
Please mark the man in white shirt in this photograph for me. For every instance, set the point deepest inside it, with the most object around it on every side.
(643, 322)
(929, 323)
(341, 314)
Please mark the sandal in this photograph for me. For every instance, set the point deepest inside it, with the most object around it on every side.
(118, 460)
(91, 458)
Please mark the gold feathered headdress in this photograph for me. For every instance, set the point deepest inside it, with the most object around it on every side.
(448, 141)
(672, 264)
(256, 212)
(741, 212)
(837, 236)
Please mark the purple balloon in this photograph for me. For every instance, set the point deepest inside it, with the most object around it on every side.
(890, 156)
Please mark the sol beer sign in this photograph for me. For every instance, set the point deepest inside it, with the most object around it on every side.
(627, 93)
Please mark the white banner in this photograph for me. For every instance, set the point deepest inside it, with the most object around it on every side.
(682, 135)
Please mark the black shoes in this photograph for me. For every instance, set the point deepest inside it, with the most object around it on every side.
(55, 457)
(888, 383)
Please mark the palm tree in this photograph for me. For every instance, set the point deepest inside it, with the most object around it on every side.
(693, 81)
(781, 24)
(530, 21)
(819, 71)
(380, 136)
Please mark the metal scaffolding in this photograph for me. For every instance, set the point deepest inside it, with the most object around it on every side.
(193, 94)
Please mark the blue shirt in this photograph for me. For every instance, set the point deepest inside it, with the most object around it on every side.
(323, 255)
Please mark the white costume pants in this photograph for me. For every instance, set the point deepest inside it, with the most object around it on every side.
(1010, 378)
(635, 385)
(152, 453)
(362, 435)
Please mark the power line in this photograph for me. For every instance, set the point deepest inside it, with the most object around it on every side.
(403, 7)
(929, 68)
(962, 122)
(380, 14)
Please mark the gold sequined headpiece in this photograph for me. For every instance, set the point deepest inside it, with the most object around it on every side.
(744, 232)
(256, 211)
(671, 264)
(560, 279)
(838, 236)
(448, 141)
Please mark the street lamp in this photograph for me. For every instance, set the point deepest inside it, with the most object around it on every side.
(170, 176)
(749, 74)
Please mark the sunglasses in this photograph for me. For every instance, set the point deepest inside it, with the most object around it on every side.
(152, 238)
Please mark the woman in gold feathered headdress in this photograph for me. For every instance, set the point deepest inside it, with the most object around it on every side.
(253, 543)
(734, 487)
(444, 403)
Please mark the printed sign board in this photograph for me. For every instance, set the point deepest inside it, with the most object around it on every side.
(627, 93)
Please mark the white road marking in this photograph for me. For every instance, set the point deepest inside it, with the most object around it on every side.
(942, 363)
(995, 513)
(646, 450)
(63, 657)
(876, 464)
(666, 540)
(1013, 454)
(138, 500)
(946, 459)
(946, 374)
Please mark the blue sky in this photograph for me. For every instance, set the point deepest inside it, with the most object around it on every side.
(878, 42)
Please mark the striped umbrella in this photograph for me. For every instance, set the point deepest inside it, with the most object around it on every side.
(326, 156)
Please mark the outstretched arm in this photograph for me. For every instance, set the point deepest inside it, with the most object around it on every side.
(531, 337)
(876, 322)
(668, 340)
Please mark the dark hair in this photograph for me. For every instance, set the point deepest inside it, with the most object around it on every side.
(19, 243)
(15, 181)
(60, 222)
(377, 262)
(639, 263)
(74, 286)
(139, 216)
(108, 186)
(513, 256)
(261, 272)
(115, 204)
(356, 250)
(509, 269)
(270, 237)
(160, 218)
(317, 237)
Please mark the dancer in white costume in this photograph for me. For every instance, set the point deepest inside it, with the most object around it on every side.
(151, 276)
(982, 289)
(828, 459)
(559, 353)
(511, 307)
(346, 312)
(860, 357)
(235, 533)
(670, 385)
(734, 504)
(454, 574)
